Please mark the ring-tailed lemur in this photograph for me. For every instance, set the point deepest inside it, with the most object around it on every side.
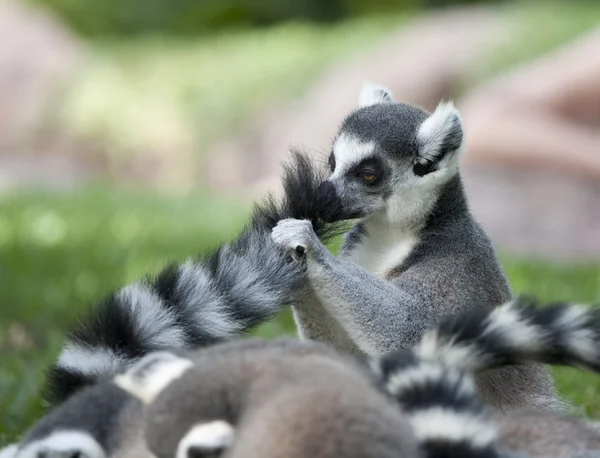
(296, 399)
(203, 301)
(416, 253)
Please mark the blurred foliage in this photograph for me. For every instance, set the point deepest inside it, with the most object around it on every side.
(177, 17)
(176, 96)
(61, 253)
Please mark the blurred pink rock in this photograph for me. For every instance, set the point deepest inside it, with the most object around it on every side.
(419, 63)
(37, 56)
(545, 113)
(531, 202)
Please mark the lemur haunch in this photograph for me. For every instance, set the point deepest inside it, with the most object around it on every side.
(255, 398)
(200, 302)
(416, 253)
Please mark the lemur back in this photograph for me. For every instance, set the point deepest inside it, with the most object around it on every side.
(286, 399)
(416, 252)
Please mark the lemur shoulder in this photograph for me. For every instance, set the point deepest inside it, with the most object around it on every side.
(416, 252)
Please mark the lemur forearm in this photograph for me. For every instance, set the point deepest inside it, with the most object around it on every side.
(344, 288)
(316, 323)
(374, 313)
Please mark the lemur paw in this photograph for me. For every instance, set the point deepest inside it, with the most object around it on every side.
(295, 235)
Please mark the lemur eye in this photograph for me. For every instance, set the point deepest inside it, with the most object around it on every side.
(368, 177)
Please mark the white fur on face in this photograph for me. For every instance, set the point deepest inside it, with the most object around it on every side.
(152, 374)
(64, 443)
(349, 151)
(211, 436)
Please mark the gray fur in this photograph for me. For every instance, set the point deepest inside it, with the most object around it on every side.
(544, 435)
(286, 399)
(449, 264)
(102, 414)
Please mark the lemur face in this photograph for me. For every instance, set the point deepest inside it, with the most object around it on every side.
(384, 147)
(63, 444)
(179, 421)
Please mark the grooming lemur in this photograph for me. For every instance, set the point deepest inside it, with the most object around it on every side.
(416, 253)
(255, 398)
(200, 302)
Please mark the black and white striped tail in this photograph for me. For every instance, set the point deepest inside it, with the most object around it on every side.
(447, 416)
(517, 332)
(197, 303)
(434, 381)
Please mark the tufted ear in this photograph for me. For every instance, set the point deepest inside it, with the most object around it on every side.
(439, 138)
(372, 94)
(152, 374)
(206, 440)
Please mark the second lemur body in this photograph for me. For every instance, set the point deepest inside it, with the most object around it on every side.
(416, 253)
(257, 398)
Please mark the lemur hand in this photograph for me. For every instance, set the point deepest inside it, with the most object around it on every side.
(295, 235)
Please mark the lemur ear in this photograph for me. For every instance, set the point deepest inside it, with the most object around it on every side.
(372, 94)
(152, 374)
(206, 440)
(439, 138)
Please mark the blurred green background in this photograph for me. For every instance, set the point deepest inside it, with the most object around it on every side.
(183, 74)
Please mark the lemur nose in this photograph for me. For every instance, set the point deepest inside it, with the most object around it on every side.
(326, 193)
(328, 201)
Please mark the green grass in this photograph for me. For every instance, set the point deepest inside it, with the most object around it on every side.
(60, 253)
